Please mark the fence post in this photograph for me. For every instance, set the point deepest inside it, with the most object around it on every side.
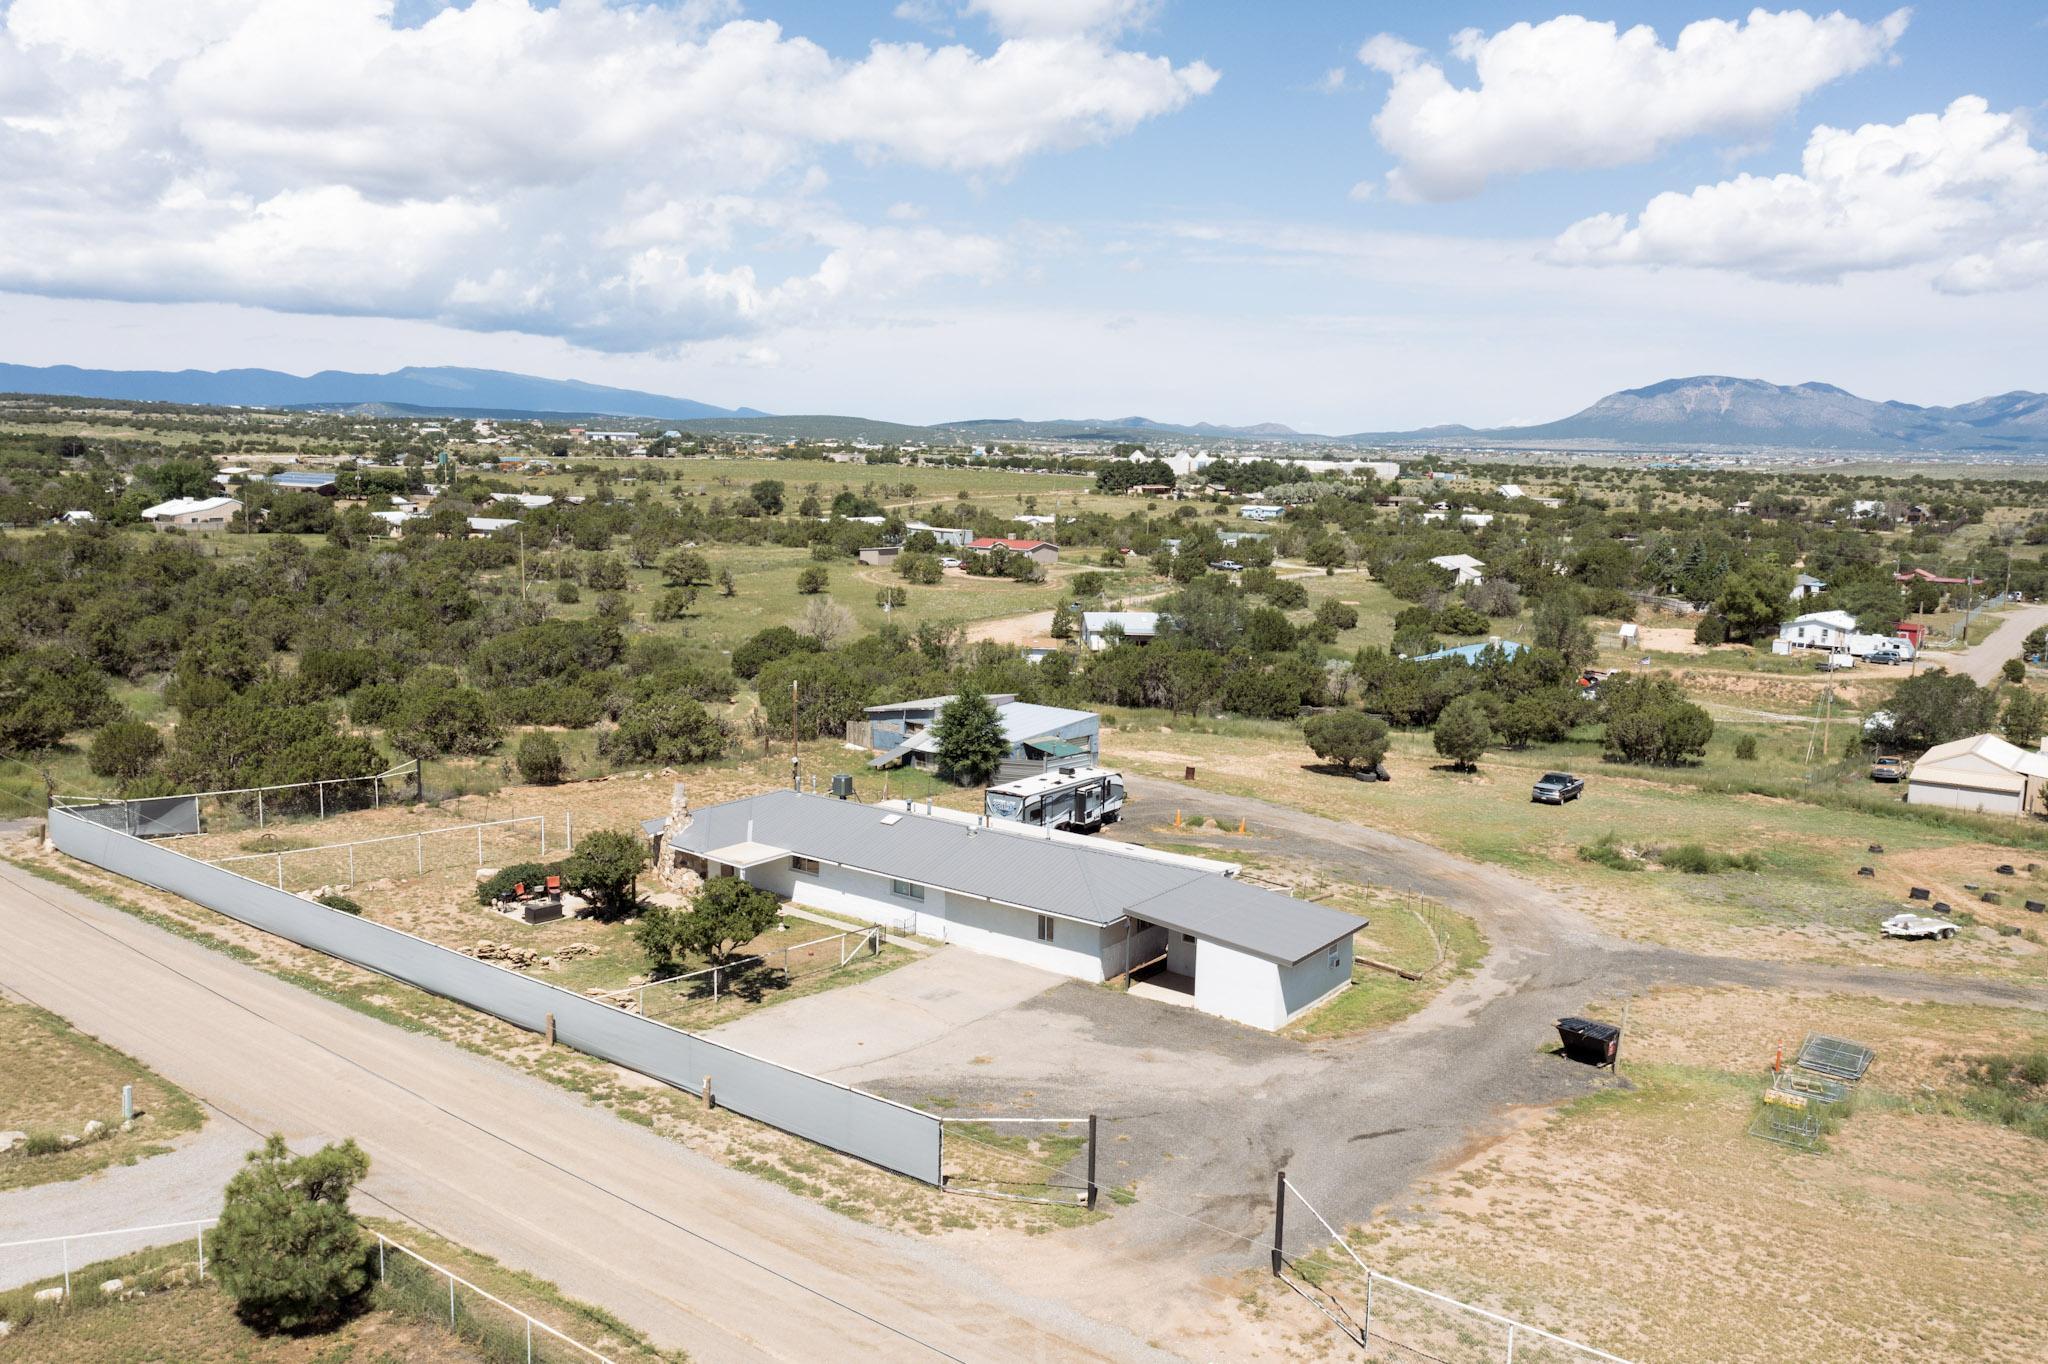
(380, 1257)
(321, 786)
(259, 809)
(1279, 1218)
(479, 845)
(543, 835)
(351, 864)
(420, 847)
(1091, 1162)
(529, 1340)
(1366, 1339)
(451, 1299)
(280, 871)
(202, 1249)
(1511, 1343)
(569, 830)
(64, 1246)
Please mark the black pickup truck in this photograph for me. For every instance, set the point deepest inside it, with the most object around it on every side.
(1555, 788)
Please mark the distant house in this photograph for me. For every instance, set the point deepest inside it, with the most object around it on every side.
(1100, 629)
(530, 501)
(1836, 632)
(306, 481)
(1258, 511)
(489, 525)
(1983, 773)
(193, 513)
(1039, 551)
(1469, 654)
(1509, 490)
(1806, 585)
(1922, 575)
(956, 536)
(879, 554)
(78, 517)
(1149, 490)
(1463, 568)
(1864, 509)
(1040, 737)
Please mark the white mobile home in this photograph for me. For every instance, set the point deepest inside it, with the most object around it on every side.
(1093, 912)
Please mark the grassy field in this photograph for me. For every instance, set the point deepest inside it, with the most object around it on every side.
(1811, 836)
(54, 1080)
(1643, 1220)
(165, 1312)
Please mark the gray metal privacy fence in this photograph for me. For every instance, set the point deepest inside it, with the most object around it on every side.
(875, 1129)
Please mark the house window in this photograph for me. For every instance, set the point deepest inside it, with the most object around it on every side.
(1187, 937)
(808, 866)
(1336, 958)
(1045, 928)
(909, 890)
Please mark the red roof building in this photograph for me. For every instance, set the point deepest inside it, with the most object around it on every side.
(1043, 551)
(1921, 575)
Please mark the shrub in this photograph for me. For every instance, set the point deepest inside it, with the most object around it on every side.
(1712, 629)
(1609, 853)
(566, 592)
(813, 580)
(125, 750)
(1695, 860)
(540, 759)
(604, 868)
(500, 883)
(1463, 733)
(1745, 748)
(1348, 738)
(665, 729)
(342, 903)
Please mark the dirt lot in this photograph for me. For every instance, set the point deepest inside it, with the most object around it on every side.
(1644, 1221)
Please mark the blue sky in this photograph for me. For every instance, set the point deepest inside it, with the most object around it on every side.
(1338, 216)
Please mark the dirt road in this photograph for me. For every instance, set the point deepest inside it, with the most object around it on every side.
(698, 1256)
(1982, 661)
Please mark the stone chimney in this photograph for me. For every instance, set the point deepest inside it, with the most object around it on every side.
(668, 868)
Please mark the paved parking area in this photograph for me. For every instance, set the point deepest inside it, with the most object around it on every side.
(844, 1034)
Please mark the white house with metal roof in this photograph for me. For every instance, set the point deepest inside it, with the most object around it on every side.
(1100, 629)
(1088, 910)
(1039, 736)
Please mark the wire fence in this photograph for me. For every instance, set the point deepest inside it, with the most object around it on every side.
(1028, 1160)
(751, 979)
(1414, 1321)
(235, 809)
(398, 857)
(406, 1281)
(495, 1328)
(64, 1258)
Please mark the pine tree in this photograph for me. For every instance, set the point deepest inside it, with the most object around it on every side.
(970, 738)
(288, 1250)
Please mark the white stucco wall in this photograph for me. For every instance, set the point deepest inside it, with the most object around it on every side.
(1252, 990)
(1077, 949)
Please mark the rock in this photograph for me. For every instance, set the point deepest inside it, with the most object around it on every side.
(70, 1139)
(93, 1128)
(10, 1140)
(6, 1329)
(547, 963)
(112, 1286)
(486, 873)
(50, 1294)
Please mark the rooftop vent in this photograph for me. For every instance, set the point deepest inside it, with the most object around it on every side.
(890, 819)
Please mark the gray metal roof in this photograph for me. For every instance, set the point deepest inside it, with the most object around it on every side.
(1098, 886)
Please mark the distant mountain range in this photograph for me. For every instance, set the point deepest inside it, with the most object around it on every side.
(416, 390)
(1714, 410)
(1704, 411)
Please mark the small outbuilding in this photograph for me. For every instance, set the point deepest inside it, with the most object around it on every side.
(1983, 773)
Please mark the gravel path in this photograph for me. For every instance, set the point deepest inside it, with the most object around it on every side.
(182, 1184)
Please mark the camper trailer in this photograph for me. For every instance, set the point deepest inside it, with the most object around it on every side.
(1080, 798)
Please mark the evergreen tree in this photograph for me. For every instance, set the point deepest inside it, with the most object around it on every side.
(1463, 733)
(287, 1248)
(970, 737)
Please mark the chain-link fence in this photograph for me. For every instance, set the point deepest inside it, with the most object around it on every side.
(733, 985)
(494, 1328)
(397, 857)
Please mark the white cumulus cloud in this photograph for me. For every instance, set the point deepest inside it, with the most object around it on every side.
(1573, 93)
(1963, 191)
(621, 174)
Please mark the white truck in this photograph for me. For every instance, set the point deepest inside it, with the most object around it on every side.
(1917, 926)
(1079, 798)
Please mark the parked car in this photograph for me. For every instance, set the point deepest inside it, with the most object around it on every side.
(949, 563)
(1555, 788)
(1888, 769)
(1915, 926)
(1227, 566)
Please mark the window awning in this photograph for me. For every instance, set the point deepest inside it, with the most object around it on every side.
(741, 856)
